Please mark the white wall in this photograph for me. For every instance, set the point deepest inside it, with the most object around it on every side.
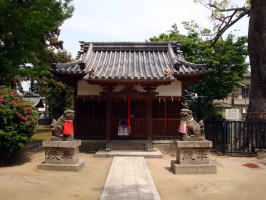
(174, 89)
(88, 89)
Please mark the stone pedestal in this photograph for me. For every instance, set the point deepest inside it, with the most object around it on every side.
(192, 158)
(61, 156)
(261, 153)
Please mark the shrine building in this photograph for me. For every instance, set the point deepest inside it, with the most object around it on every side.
(128, 91)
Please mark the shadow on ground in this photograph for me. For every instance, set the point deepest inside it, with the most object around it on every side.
(19, 158)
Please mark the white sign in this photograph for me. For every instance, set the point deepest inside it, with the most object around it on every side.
(122, 128)
(232, 114)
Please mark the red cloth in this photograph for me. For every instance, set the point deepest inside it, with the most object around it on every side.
(68, 127)
(183, 127)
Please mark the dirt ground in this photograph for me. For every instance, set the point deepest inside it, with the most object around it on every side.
(233, 180)
(25, 182)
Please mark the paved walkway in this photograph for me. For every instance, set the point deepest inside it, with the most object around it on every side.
(129, 179)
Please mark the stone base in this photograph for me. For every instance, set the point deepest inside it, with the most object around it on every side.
(193, 169)
(61, 155)
(61, 167)
(261, 153)
(193, 138)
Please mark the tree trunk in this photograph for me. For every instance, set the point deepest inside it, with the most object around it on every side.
(257, 54)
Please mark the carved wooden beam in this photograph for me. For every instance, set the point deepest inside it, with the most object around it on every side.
(150, 90)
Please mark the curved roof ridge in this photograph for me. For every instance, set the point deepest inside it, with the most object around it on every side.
(129, 43)
(130, 61)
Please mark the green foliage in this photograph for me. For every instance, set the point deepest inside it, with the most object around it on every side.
(17, 121)
(29, 44)
(58, 95)
(27, 29)
(59, 98)
(225, 59)
(204, 110)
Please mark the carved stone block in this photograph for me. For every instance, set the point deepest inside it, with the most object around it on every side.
(193, 152)
(61, 155)
(192, 158)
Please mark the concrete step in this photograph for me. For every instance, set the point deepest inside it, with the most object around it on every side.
(128, 145)
(146, 154)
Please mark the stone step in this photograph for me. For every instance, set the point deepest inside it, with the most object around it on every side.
(147, 154)
(128, 145)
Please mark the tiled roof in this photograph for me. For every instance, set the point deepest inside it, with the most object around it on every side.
(130, 61)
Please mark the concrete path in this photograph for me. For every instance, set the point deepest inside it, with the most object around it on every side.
(129, 179)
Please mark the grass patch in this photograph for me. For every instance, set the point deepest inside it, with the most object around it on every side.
(43, 132)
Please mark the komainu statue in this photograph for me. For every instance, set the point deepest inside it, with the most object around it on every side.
(202, 132)
(188, 126)
(58, 128)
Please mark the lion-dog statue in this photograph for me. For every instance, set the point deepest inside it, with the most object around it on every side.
(58, 125)
(193, 128)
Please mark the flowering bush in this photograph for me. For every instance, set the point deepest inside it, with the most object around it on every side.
(17, 121)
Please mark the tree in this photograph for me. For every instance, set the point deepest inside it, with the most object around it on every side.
(29, 44)
(226, 58)
(58, 95)
(257, 56)
(256, 10)
(27, 29)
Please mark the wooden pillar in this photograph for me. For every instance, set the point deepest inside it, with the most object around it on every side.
(107, 93)
(150, 93)
(76, 109)
(149, 122)
(108, 122)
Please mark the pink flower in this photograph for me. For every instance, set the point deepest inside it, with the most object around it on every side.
(28, 111)
(2, 100)
(14, 93)
(20, 116)
(20, 105)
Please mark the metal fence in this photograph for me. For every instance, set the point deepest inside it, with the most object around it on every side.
(236, 136)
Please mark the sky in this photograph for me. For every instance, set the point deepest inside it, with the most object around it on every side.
(132, 20)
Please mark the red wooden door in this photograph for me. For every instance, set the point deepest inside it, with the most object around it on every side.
(137, 117)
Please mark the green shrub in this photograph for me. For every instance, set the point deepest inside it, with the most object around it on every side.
(17, 122)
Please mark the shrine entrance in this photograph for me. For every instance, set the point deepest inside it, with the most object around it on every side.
(129, 119)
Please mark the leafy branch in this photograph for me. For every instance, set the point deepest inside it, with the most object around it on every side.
(224, 15)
